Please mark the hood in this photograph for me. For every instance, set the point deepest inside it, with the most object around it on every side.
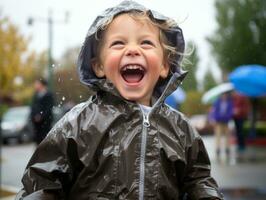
(88, 50)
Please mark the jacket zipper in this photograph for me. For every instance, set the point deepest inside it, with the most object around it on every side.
(146, 124)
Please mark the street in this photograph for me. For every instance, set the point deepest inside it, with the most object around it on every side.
(14, 159)
(245, 180)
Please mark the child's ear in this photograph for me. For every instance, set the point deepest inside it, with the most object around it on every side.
(165, 70)
(97, 68)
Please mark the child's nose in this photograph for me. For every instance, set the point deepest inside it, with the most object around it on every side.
(132, 51)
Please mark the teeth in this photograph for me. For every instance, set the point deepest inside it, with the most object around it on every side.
(132, 67)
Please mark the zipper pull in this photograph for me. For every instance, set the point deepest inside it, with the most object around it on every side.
(146, 122)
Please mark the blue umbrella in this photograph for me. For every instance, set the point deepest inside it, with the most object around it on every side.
(249, 80)
(176, 98)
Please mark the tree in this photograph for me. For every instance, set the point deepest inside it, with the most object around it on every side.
(67, 84)
(191, 65)
(16, 62)
(240, 36)
(69, 88)
(208, 81)
(69, 57)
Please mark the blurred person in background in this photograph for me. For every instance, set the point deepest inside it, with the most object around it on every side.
(222, 114)
(41, 110)
(240, 114)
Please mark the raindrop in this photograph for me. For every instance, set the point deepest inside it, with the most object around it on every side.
(59, 79)
(63, 98)
(41, 112)
(80, 96)
(53, 65)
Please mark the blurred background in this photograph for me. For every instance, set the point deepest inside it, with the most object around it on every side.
(43, 39)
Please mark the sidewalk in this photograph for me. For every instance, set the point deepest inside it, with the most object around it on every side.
(239, 179)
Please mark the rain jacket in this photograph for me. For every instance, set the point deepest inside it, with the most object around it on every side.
(108, 149)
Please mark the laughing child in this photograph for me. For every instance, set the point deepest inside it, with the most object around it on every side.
(124, 142)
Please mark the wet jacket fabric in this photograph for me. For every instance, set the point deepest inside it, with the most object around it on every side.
(107, 149)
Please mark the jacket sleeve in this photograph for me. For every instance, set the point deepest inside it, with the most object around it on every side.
(198, 183)
(49, 173)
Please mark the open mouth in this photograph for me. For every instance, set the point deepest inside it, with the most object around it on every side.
(132, 73)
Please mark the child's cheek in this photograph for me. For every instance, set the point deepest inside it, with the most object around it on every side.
(112, 60)
(155, 60)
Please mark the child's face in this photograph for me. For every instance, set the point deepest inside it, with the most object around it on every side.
(131, 57)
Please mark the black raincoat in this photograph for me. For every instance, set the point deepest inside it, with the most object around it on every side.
(107, 148)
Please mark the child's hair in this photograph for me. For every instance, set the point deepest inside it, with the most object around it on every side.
(170, 51)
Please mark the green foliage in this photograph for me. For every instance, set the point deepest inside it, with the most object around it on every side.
(192, 105)
(208, 81)
(260, 128)
(240, 36)
(190, 64)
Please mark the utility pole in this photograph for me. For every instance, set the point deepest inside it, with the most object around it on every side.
(50, 21)
(50, 55)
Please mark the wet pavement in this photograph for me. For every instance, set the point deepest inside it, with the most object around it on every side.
(239, 178)
(244, 194)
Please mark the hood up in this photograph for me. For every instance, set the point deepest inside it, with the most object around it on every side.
(88, 50)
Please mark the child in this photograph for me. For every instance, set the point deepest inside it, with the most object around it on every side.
(124, 143)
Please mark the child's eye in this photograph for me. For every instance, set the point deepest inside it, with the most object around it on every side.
(117, 43)
(147, 43)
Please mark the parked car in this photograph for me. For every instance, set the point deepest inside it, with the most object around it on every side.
(16, 124)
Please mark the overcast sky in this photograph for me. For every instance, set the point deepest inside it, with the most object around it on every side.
(196, 18)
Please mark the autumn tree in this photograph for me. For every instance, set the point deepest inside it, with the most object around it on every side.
(16, 63)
